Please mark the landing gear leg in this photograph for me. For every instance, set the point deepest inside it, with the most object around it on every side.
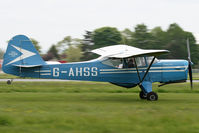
(146, 91)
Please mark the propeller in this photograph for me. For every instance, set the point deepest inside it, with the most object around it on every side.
(189, 65)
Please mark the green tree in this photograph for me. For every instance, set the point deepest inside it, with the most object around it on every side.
(159, 40)
(176, 39)
(176, 42)
(67, 42)
(158, 36)
(106, 36)
(194, 49)
(64, 44)
(1, 54)
(87, 45)
(54, 52)
(127, 36)
(51, 54)
(73, 53)
(142, 37)
(36, 44)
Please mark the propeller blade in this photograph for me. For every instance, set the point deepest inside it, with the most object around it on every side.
(188, 50)
(189, 67)
(190, 75)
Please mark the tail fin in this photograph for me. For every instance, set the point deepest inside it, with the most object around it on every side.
(21, 53)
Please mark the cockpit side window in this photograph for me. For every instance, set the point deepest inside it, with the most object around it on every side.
(125, 62)
(129, 62)
(149, 59)
(113, 62)
(140, 61)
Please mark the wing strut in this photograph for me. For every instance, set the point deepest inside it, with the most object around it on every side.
(146, 70)
(137, 69)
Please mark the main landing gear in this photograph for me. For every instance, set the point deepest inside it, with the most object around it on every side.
(151, 96)
(146, 84)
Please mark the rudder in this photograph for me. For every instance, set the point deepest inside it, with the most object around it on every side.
(21, 53)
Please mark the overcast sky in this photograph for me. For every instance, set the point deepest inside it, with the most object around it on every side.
(49, 21)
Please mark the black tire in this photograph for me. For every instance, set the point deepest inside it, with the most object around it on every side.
(142, 95)
(9, 82)
(152, 96)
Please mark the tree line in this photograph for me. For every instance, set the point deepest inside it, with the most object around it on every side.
(173, 39)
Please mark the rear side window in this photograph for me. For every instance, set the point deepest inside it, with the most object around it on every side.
(113, 62)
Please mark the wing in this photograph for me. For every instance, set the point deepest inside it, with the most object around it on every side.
(124, 51)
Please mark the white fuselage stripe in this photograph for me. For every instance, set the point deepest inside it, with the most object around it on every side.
(142, 71)
(45, 74)
(120, 69)
(43, 71)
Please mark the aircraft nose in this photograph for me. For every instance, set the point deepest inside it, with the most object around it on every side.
(174, 70)
(186, 63)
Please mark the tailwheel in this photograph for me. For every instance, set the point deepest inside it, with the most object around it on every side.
(152, 96)
(142, 95)
(9, 81)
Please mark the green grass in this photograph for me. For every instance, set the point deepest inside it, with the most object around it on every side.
(90, 87)
(196, 76)
(7, 76)
(90, 107)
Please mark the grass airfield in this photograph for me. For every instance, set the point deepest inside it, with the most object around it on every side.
(91, 107)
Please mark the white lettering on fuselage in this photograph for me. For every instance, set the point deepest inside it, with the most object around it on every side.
(71, 73)
(94, 71)
(86, 71)
(56, 72)
(79, 71)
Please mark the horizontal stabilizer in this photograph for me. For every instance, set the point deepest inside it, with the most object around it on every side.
(27, 66)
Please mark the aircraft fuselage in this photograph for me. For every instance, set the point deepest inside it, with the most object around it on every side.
(161, 71)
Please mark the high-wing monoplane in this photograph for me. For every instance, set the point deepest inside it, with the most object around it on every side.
(120, 65)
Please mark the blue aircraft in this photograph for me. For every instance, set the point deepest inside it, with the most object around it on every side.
(120, 65)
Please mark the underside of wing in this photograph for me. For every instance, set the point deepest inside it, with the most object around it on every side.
(125, 51)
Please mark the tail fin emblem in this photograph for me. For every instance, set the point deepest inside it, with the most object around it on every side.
(13, 54)
(25, 54)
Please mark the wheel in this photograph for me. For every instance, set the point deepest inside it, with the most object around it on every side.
(9, 82)
(142, 95)
(152, 96)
